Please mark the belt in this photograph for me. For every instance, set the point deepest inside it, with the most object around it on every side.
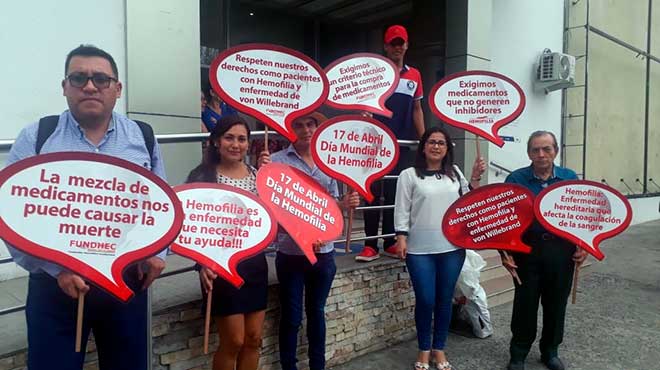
(547, 236)
(542, 236)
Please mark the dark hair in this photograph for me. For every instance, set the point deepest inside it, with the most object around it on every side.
(206, 171)
(206, 89)
(85, 50)
(539, 133)
(447, 165)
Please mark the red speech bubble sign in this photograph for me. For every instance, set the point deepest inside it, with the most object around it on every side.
(271, 83)
(305, 210)
(90, 213)
(478, 101)
(362, 81)
(356, 150)
(491, 217)
(584, 212)
(223, 225)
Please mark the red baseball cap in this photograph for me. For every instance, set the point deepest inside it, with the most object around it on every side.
(396, 32)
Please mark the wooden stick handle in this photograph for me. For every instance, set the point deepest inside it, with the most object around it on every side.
(514, 273)
(478, 148)
(79, 320)
(515, 276)
(576, 273)
(266, 138)
(349, 230)
(207, 322)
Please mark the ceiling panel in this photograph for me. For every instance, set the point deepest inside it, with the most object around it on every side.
(348, 11)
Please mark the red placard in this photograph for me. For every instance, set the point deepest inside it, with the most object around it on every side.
(584, 212)
(478, 101)
(89, 213)
(271, 83)
(356, 150)
(491, 217)
(305, 210)
(362, 81)
(223, 225)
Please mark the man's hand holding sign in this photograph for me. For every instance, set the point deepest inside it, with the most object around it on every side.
(584, 212)
(491, 217)
(300, 205)
(89, 213)
(356, 150)
(563, 209)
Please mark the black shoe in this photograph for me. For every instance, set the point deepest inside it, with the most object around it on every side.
(516, 365)
(553, 363)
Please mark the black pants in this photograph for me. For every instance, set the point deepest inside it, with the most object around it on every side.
(120, 329)
(546, 274)
(386, 189)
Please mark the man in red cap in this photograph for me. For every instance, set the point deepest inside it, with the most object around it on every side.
(407, 123)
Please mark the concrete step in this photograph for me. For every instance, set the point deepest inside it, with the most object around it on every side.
(493, 269)
(498, 290)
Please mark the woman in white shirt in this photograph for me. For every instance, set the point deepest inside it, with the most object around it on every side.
(423, 194)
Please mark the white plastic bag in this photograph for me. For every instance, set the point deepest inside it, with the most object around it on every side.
(475, 309)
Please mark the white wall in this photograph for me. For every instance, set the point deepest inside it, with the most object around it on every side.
(164, 76)
(35, 37)
(521, 29)
(645, 209)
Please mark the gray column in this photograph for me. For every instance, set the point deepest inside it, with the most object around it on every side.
(468, 48)
(163, 79)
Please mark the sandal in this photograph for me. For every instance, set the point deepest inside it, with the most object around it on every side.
(444, 366)
(421, 366)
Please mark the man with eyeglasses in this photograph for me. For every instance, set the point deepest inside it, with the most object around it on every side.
(407, 123)
(91, 88)
(547, 272)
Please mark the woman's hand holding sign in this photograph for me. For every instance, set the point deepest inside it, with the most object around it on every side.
(264, 159)
(494, 216)
(478, 168)
(206, 276)
(452, 101)
(402, 246)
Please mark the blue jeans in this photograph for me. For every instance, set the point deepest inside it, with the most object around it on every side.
(433, 278)
(120, 329)
(297, 275)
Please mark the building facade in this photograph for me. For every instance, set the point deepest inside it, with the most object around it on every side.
(608, 122)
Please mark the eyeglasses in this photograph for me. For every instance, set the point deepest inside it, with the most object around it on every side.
(436, 143)
(100, 80)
